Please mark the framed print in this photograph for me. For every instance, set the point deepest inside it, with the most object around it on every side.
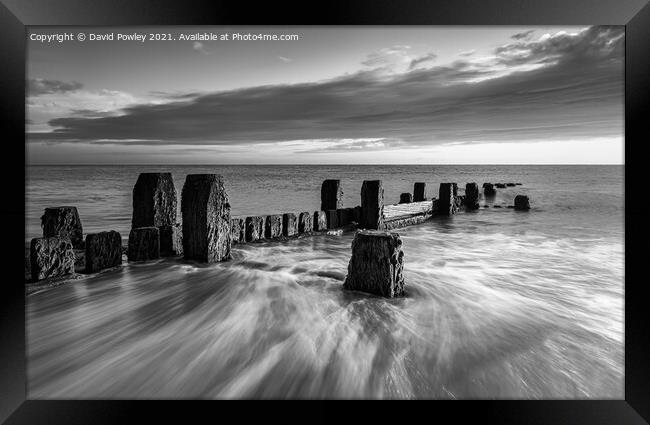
(432, 203)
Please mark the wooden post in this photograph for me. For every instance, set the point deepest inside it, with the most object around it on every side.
(376, 264)
(419, 192)
(63, 222)
(489, 190)
(51, 257)
(471, 196)
(305, 223)
(206, 218)
(273, 226)
(320, 221)
(405, 198)
(154, 204)
(238, 230)
(289, 224)
(372, 204)
(522, 203)
(144, 244)
(254, 228)
(447, 198)
(103, 250)
(331, 195)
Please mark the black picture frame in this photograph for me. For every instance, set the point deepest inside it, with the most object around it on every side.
(15, 15)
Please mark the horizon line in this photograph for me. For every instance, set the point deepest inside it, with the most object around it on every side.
(319, 164)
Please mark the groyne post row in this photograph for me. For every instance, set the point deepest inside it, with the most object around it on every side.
(207, 230)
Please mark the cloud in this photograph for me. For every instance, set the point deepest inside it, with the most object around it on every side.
(389, 58)
(422, 59)
(199, 47)
(522, 35)
(563, 86)
(40, 86)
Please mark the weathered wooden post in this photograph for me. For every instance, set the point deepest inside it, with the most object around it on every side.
(103, 250)
(206, 218)
(405, 198)
(522, 203)
(332, 219)
(154, 204)
(63, 222)
(305, 222)
(51, 257)
(331, 195)
(254, 228)
(419, 192)
(372, 204)
(238, 230)
(489, 190)
(345, 216)
(447, 198)
(471, 196)
(273, 226)
(320, 221)
(376, 264)
(289, 224)
(144, 244)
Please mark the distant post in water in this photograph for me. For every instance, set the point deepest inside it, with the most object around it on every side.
(419, 192)
(489, 190)
(405, 198)
(376, 264)
(447, 198)
(63, 222)
(331, 195)
(522, 203)
(471, 196)
(154, 205)
(372, 204)
(206, 218)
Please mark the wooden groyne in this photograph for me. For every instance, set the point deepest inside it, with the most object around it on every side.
(206, 231)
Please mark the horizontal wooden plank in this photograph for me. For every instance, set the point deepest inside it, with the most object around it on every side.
(395, 211)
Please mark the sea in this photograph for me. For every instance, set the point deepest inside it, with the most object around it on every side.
(500, 304)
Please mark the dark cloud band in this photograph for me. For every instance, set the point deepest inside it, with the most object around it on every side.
(564, 86)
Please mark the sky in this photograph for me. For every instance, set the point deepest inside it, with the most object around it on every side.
(330, 95)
